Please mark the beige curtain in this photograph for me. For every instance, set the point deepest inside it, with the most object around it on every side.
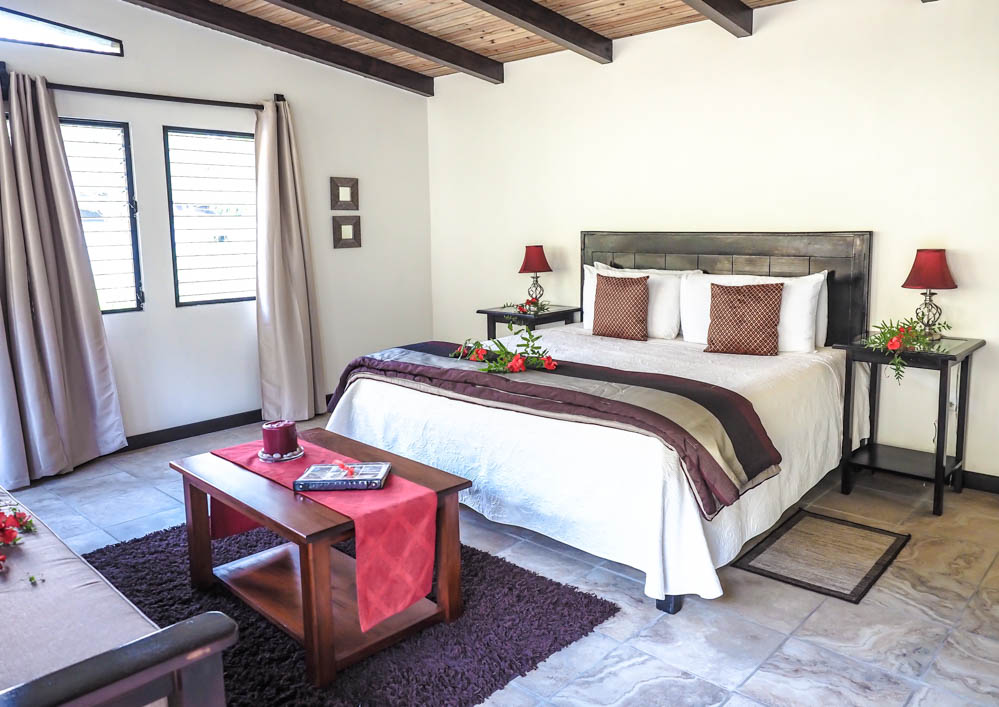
(291, 371)
(55, 367)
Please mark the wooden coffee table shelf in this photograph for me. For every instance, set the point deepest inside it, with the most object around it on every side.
(306, 587)
(270, 582)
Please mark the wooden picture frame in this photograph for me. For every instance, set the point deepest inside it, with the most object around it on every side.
(346, 231)
(344, 194)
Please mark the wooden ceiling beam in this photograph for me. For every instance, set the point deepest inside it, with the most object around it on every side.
(546, 23)
(732, 15)
(396, 34)
(238, 24)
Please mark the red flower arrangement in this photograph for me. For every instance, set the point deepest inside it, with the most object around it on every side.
(901, 336)
(532, 305)
(526, 354)
(12, 524)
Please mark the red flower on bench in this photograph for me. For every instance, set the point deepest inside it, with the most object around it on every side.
(12, 524)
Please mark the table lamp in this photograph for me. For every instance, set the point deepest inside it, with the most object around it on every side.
(930, 272)
(535, 262)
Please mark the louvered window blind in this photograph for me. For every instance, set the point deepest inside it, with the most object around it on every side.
(101, 164)
(212, 199)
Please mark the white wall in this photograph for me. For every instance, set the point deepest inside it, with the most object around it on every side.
(180, 365)
(835, 115)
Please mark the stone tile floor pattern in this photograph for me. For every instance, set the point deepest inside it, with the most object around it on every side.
(927, 634)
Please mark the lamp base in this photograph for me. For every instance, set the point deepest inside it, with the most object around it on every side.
(928, 314)
(535, 290)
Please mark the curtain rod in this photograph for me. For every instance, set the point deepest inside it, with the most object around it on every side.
(5, 83)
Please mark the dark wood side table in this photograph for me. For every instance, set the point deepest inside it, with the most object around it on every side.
(936, 466)
(555, 313)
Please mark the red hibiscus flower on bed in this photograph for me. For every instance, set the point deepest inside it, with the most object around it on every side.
(503, 358)
(516, 364)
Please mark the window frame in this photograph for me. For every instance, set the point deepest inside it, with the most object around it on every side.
(121, 44)
(167, 129)
(133, 206)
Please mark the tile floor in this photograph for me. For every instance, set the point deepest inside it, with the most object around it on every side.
(126, 495)
(927, 634)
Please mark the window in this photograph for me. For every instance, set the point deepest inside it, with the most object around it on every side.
(101, 163)
(211, 188)
(27, 29)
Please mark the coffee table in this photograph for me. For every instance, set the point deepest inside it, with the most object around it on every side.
(306, 587)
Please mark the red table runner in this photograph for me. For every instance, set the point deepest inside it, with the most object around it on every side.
(394, 528)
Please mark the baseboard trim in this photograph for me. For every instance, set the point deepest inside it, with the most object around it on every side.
(172, 434)
(981, 482)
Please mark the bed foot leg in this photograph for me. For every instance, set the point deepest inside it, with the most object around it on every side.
(671, 604)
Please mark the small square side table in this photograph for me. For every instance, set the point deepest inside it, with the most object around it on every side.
(935, 466)
(556, 313)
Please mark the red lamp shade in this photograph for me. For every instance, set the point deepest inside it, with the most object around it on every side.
(535, 260)
(930, 271)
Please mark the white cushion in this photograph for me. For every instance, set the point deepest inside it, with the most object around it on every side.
(645, 271)
(798, 308)
(822, 315)
(664, 298)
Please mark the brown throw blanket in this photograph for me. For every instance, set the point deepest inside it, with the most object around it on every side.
(717, 434)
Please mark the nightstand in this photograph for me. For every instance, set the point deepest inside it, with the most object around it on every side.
(556, 313)
(935, 466)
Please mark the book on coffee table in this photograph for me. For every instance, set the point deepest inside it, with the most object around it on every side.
(352, 477)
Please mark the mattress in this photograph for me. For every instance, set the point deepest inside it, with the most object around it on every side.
(613, 493)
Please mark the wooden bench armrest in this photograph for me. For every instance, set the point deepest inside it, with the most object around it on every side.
(182, 662)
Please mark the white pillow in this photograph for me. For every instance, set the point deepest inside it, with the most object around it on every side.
(798, 307)
(646, 271)
(822, 314)
(664, 299)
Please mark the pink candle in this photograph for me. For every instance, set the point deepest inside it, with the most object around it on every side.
(280, 437)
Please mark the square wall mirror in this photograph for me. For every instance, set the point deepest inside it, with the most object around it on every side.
(344, 194)
(346, 231)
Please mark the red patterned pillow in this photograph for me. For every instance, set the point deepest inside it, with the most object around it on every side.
(621, 307)
(744, 319)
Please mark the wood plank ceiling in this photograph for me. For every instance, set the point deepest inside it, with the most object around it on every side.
(459, 23)
(497, 34)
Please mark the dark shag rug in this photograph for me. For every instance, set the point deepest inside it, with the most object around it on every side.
(513, 620)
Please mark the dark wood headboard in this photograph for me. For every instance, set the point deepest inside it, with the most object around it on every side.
(846, 254)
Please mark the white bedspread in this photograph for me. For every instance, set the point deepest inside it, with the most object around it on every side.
(621, 495)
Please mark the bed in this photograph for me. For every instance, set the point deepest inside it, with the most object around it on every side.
(622, 495)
